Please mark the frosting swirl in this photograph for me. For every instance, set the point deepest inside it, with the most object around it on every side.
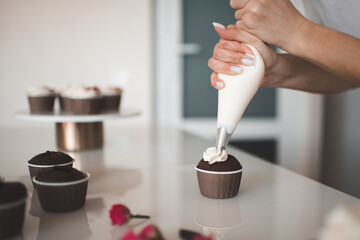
(40, 91)
(210, 156)
(80, 92)
(110, 90)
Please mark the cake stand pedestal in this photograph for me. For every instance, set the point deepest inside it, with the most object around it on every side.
(77, 132)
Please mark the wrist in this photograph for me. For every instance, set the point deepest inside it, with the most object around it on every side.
(300, 37)
(276, 75)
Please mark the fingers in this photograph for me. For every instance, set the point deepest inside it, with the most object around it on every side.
(224, 67)
(216, 82)
(237, 4)
(231, 56)
(239, 14)
(236, 47)
(239, 35)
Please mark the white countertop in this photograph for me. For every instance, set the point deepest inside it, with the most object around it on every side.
(152, 172)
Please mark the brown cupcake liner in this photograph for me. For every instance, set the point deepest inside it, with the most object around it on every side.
(78, 106)
(12, 218)
(42, 104)
(62, 197)
(219, 185)
(111, 103)
(34, 169)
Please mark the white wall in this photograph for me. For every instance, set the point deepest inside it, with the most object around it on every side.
(75, 41)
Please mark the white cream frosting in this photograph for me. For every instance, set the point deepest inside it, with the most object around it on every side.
(343, 223)
(210, 156)
(80, 92)
(110, 90)
(40, 91)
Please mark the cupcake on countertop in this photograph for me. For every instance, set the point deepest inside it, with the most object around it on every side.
(48, 159)
(112, 98)
(61, 189)
(219, 176)
(41, 99)
(12, 208)
(81, 100)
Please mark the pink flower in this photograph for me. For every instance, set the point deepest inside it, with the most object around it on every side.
(149, 232)
(120, 214)
(130, 236)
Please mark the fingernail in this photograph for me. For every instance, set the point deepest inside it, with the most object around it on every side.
(247, 61)
(235, 69)
(250, 55)
(218, 25)
(220, 84)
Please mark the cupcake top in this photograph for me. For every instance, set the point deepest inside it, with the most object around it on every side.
(12, 191)
(110, 90)
(40, 91)
(231, 164)
(59, 175)
(211, 156)
(50, 158)
(80, 92)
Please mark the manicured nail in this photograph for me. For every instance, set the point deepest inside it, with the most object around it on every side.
(218, 25)
(247, 61)
(250, 55)
(220, 84)
(235, 69)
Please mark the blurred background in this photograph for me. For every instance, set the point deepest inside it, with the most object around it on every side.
(157, 51)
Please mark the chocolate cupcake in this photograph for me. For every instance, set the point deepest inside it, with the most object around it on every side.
(41, 99)
(61, 189)
(112, 98)
(219, 177)
(12, 208)
(81, 100)
(49, 159)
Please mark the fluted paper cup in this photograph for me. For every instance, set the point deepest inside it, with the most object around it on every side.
(12, 215)
(81, 106)
(111, 103)
(219, 185)
(59, 197)
(41, 104)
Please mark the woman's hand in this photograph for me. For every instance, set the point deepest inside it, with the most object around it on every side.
(276, 22)
(229, 53)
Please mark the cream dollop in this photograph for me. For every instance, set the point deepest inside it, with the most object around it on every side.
(210, 155)
(40, 91)
(80, 92)
(110, 90)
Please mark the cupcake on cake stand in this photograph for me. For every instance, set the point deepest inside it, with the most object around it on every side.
(78, 132)
(83, 109)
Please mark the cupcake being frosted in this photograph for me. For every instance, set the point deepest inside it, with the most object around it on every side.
(219, 175)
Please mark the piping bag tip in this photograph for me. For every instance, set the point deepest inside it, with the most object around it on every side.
(222, 139)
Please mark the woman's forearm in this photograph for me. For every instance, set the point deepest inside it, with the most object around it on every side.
(295, 73)
(333, 51)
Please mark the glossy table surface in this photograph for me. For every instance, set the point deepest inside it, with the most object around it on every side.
(152, 172)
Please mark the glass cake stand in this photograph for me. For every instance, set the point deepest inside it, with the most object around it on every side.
(77, 132)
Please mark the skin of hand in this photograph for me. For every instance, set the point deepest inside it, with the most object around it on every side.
(277, 22)
(229, 53)
(281, 70)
